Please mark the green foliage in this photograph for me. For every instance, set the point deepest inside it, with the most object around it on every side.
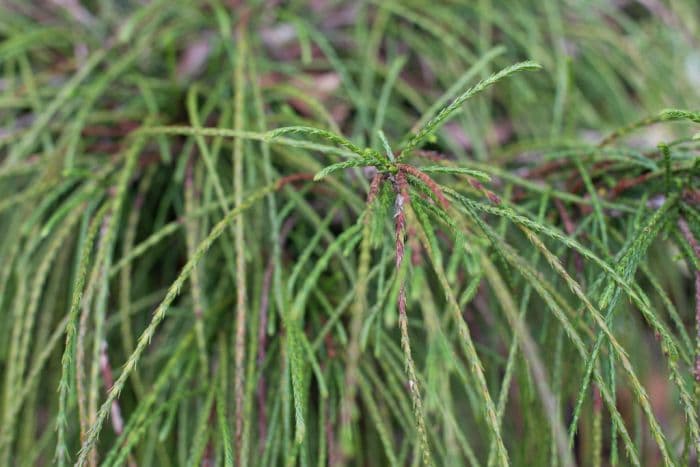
(334, 233)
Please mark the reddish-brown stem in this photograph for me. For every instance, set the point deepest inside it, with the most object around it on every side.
(293, 178)
(627, 183)
(546, 169)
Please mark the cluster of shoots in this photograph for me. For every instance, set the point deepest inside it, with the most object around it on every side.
(227, 248)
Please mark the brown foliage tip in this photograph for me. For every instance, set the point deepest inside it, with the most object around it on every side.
(434, 187)
(374, 187)
(415, 246)
(402, 196)
(493, 197)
